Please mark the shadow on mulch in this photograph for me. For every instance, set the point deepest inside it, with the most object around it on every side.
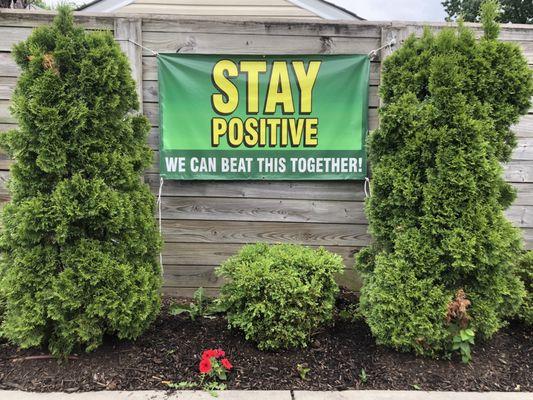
(170, 351)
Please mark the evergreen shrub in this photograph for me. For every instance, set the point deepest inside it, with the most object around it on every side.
(279, 295)
(525, 272)
(79, 241)
(438, 196)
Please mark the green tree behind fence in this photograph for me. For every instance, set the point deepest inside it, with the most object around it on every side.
(515, 11)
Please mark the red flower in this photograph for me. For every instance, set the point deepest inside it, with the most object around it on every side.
(208, 354)
(225, 362)
(205, 366)
(217, 353)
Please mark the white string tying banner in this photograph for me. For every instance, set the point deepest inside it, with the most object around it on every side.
(155, 53)
(367, 187)
(374, 53)
(159, 201)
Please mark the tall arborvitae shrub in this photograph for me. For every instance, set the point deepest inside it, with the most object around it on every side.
(525, 272)
(438, 196)
(79, 240)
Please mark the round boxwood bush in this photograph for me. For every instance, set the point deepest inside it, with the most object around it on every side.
(279, 294)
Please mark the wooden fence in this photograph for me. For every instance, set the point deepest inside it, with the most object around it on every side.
(206, 222)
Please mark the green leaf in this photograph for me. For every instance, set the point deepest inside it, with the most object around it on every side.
(177, 310)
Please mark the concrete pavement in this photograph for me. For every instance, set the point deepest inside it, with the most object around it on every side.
(409, 395)
(266, 395)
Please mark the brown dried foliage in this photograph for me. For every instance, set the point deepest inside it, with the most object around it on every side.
(458, 310)
(49, 63)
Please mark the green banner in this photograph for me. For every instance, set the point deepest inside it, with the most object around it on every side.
(263, 117)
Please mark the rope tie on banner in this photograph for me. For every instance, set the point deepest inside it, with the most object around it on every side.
(367, 187)
(155, 53)
(159, 201)
(374, 52)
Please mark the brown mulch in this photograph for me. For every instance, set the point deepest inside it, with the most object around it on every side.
(170, 351)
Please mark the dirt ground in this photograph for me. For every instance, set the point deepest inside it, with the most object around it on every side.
(171, 349)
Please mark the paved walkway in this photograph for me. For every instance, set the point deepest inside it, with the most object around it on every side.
(267, 395)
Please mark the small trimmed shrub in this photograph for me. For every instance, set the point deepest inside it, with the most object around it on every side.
(279, 295)
(525, 273)
(438, 193)
(79, 240)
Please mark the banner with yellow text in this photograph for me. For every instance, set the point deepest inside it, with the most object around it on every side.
(263, 117)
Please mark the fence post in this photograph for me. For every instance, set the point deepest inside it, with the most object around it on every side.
(397, 33)
(131, 28)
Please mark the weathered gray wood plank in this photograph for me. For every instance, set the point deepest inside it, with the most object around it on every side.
(303, 190)
(229, 43)
(216, 253)
(7, 85)
(32, 19)
(8, 67)
(7, 127)
(272, 28)
(5, 114)
(213, 231)
(524, 195)
(520, 216)
(191, 276)
(528, 238)
(150, 70)
(10, 35)
(518, 171)
(194, 276)
(523, 150)
(273, 210)
(524, 129)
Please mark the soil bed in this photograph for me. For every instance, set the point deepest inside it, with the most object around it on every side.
(170, 351)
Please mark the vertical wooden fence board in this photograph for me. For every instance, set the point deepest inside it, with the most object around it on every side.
(128, 32)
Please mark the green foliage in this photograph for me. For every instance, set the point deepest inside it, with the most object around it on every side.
(278, 295)
(303, 370)
(363, 377)
(79, 241)
(183, 385)
(213, 387)
(515, 11)
(525, 272)
(466, 9)
(201, 306)
(209, 387)
(489, 14)
(461, 341)
(436, 211)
